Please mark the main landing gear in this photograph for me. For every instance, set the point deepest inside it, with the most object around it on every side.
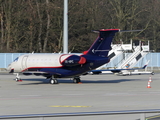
(77, 80)
(53, 80)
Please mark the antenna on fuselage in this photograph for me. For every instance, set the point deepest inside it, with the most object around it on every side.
(65, 27)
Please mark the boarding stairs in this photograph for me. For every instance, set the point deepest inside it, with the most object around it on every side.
(132, 60)
(116, 51)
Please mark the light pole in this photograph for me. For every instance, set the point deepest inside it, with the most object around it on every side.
(65, 27)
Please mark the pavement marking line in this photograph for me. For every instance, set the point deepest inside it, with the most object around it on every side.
(30, 95)
(69, 106)
(153, 117)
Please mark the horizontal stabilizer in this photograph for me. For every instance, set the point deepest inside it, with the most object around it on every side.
(97, 31)
(130, 30)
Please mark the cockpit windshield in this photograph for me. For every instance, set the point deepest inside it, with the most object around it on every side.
(16, 59)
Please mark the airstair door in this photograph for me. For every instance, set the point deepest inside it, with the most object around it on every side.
(24, 62)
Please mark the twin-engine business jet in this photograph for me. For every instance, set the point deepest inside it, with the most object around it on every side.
(55, 66)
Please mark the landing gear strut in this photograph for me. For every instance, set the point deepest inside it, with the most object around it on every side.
(76, 80)
(18, 79)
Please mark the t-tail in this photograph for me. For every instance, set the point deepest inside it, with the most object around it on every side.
(102, 44)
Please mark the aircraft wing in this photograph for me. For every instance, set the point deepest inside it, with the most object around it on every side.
(117, 70)
(38, 73)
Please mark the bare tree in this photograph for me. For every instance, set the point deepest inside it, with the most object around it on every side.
(40, 28)
(28, 26)
(48, 26)
(2, 29)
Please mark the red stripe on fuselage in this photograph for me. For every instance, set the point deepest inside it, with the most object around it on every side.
(39, 68)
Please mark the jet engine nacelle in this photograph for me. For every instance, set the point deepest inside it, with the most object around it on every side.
(72, 60)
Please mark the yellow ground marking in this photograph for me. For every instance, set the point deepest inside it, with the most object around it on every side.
(68, 106)
(153, 117)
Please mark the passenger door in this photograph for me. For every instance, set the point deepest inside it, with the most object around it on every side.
(24, 62)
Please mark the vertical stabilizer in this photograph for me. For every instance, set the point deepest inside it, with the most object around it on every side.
(102, 44)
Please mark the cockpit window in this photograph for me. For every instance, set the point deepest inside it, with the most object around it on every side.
(16, 59)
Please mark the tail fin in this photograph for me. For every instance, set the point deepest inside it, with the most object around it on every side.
(146, 64)
(102, 44)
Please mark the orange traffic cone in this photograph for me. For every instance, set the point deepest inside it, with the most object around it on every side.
(149, 85)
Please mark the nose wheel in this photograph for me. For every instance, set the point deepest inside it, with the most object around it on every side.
(18, 79)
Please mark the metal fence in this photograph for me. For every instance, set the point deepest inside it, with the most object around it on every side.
(7, 58)
(42, 116)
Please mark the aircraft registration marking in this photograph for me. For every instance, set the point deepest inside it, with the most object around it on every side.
(68, 106)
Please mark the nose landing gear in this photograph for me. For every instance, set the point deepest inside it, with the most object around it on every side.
(18, 79)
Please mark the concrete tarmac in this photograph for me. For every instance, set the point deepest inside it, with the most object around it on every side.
(107, 92)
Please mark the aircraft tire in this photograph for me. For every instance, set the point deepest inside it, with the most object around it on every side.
(76, 80)
(17, 79)
(53, 81)
(152, 73)
(56, 82)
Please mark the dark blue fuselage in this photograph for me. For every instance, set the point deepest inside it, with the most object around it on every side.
(71, 71)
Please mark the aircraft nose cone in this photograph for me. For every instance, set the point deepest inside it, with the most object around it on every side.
(10, 69)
